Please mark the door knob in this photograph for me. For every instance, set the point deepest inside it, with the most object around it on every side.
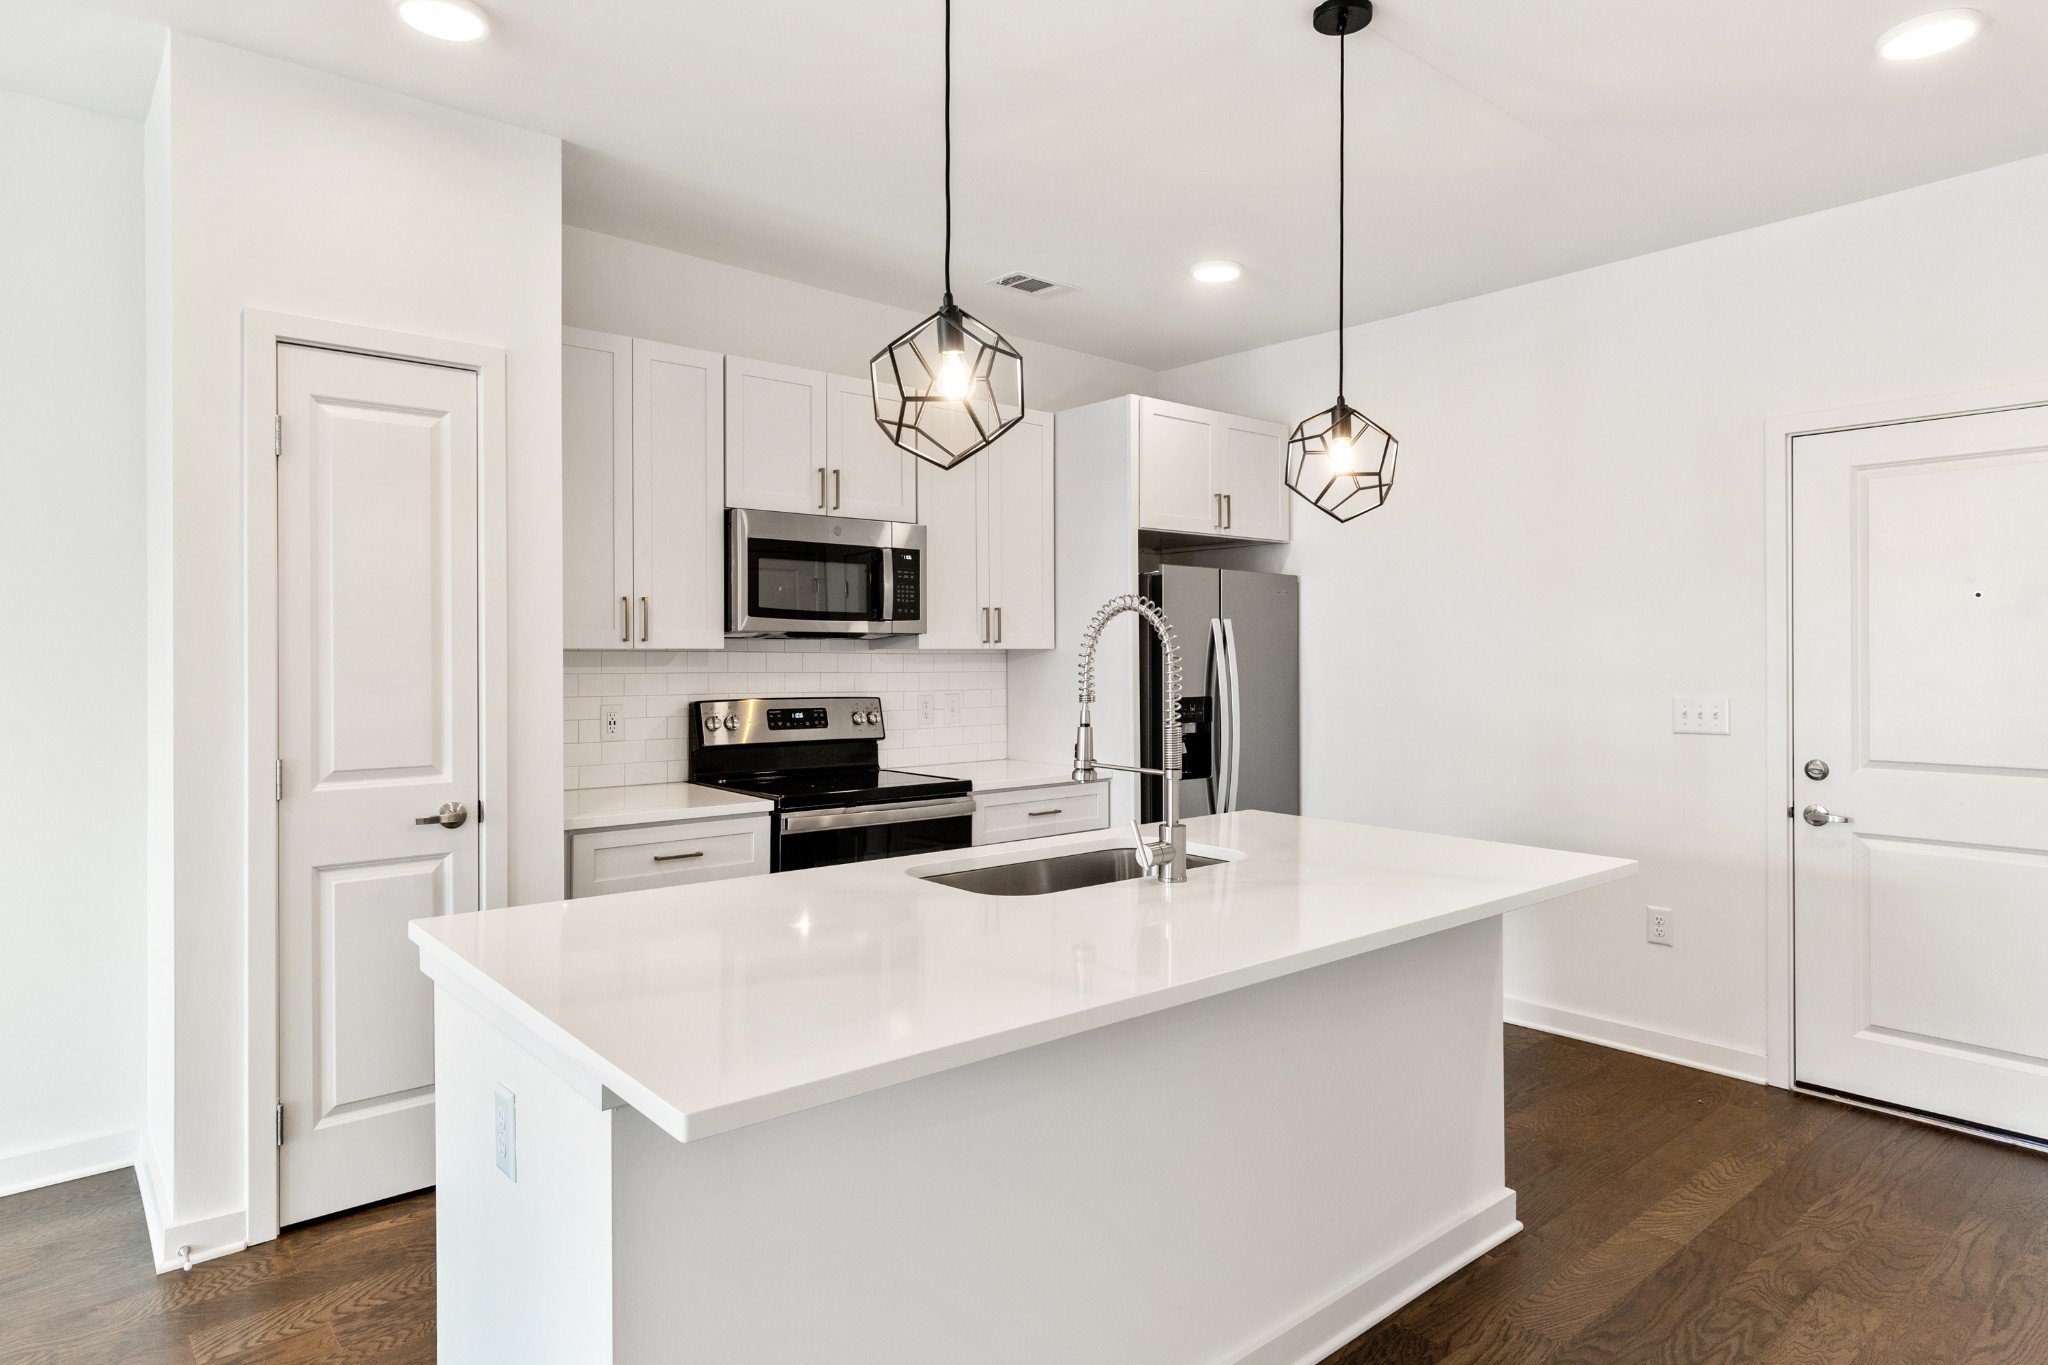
(1818, 815)
(450, 816)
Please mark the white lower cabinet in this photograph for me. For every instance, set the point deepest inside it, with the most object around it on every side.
(642, 856)
(1035, 812)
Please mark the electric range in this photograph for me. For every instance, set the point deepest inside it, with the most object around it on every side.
(818, 759)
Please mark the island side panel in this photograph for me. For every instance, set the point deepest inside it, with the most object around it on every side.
(1253, 1177)
(522, 1265)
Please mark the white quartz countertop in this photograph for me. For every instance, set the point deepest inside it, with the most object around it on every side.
(713, 1006)
(656, 803)
(1001, 774)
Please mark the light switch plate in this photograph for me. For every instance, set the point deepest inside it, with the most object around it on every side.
(505, 1137)
(1699, 715)
(950, 705)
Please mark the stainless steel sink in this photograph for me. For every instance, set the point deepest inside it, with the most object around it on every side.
(1043, 876)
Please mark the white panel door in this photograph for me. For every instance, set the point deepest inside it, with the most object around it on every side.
(1019, 533)
(377, 726)
(957, 611)
(1176, 491)
(679, 498)
(1920, 671)
(597, 490)
(775, 437)
(871, 476)
(1252, 476)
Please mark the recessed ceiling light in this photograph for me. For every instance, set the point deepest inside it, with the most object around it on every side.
(456, 21)
(1930, 34)
(1217, 272)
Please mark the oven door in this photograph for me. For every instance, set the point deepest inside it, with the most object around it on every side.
(856, 834)
(788, 574)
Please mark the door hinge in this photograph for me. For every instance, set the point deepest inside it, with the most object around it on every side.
(277, 434)
(277, 780)
(280, 1125)
(479, 812)
(1791, 811)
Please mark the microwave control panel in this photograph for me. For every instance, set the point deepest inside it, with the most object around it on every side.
(906, 566)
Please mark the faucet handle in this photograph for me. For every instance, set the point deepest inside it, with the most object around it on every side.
(1146, 857)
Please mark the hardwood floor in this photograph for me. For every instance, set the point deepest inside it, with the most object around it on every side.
(1672, 1216)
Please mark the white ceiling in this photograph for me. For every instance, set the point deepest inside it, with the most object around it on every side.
(1108, 144)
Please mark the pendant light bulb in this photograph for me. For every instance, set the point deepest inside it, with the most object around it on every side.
(954, 380)
(1343, 454)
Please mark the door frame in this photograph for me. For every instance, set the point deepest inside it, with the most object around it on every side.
(1780, 1040)
(262, 333)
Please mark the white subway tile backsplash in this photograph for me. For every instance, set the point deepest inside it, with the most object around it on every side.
(652, 690)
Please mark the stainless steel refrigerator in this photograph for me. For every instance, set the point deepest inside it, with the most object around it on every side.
(1239, 634)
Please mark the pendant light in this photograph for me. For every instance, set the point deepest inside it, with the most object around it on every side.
(1340, 459)
(951, 385)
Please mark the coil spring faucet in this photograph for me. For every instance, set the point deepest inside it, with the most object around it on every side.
(1164, 858)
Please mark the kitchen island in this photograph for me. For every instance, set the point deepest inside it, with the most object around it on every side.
(851, 1114)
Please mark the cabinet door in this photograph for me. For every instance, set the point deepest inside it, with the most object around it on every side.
(678, 502)
(775, 440)
(871, 476)
(1252, 476)
(955, 569)
(597, 490)
(1175, 469)
(1018, 534)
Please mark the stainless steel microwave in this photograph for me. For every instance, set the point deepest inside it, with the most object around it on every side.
(791, 574)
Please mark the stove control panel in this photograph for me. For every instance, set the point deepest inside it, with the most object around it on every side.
(784, 720)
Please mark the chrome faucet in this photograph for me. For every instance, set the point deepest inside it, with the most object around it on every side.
(1164, 858)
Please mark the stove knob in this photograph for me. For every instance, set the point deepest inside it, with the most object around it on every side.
(874, 717)
(859, 718)
(732, 722)
(710, 723)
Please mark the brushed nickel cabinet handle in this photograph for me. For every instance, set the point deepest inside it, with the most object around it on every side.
(999, 625)
(1216, 511)
(1056, 810)
(1229, 513)
(643, 620)
(626, 615)
(835, 490)
(672, 857)
(821, 488)
(984, 625)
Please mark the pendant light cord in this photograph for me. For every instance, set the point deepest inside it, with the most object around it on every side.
(949, 151)
(1341, 41)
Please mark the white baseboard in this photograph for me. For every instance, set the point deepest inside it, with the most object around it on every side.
(180, 1246)
(1665, 1047)
(1321, 1331)
(67, 1161)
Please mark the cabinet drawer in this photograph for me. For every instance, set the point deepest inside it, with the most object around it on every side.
(608, 860)
(1033, 812)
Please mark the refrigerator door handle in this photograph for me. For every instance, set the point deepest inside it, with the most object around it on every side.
(1217, 752)
(1233, 704)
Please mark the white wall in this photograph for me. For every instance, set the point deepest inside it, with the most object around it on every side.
(613, 285)
(71, 613)
(1577, 533)
(278, 188)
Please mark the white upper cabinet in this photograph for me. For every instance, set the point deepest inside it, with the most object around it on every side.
(642, 495)
(871, 476)
(678, 497)
(775, 437)
(806, 441)
(1210, 473)
(597, 490)
(989, 544)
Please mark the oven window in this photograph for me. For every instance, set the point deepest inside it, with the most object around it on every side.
(830, 847)
(795, 580)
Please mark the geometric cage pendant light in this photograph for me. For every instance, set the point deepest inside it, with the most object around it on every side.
(1340, 459)
(951, 385)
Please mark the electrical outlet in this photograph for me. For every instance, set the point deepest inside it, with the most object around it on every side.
(506, 1138)
(608, 720)
(927, 709)
(1699, 715)
(950, 704)
(1661, 926)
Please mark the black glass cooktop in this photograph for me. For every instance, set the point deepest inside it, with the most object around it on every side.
(841, 786)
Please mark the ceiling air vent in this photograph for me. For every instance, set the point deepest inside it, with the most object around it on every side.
(1032, 285)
